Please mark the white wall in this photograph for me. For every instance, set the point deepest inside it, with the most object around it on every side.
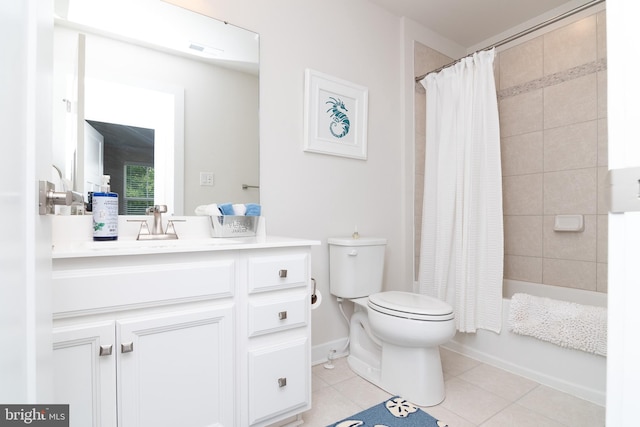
(412, 33)
(25, 246)
(314, 195)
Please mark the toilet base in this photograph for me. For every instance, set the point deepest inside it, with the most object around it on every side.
(396, 379)
(365, 354)
(414, 373)
(366, 371)
(387, 365)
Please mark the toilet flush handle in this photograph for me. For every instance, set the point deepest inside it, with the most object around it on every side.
(353, 253)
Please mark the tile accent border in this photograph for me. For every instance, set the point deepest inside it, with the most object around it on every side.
(555, 78)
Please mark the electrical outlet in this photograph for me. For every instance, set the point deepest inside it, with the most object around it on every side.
(207, 179)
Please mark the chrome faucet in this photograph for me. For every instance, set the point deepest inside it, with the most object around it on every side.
(156, 232)
(157, 212)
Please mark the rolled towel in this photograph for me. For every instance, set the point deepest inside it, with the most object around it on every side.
(226, 208)
(253, 209)
(208, 210)
(239, 209)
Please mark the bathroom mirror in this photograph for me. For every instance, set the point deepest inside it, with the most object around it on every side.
(130, 74)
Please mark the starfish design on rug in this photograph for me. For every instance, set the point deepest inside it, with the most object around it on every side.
(394, 412)
(399, 407)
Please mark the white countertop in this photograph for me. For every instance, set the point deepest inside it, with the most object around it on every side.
(72, 238)
(145, 247)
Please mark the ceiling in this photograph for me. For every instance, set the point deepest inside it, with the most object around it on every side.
(471, 22)
(126, 139)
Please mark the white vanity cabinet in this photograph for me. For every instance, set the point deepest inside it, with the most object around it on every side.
(188, 338)
(165, 369)
(145, 340)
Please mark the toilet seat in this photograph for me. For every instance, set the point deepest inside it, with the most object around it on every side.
(411, 306)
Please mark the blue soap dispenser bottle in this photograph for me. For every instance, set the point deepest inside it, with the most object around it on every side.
(105, 212)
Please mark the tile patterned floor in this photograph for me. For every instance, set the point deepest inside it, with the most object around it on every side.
(477, 395)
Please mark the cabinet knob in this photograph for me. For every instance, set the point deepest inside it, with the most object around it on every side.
(282, 382)
(282, 273)
(282, 315)
(105, 350)
(126, 347)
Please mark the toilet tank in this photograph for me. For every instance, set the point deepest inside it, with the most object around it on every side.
(356, 266)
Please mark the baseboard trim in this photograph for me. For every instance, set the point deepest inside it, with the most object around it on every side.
(320, 353)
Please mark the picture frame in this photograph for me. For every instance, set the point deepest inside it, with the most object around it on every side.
(335, 119)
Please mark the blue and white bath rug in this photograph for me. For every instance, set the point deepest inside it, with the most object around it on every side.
(395, 412)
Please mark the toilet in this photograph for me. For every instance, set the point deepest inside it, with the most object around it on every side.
(394, 336)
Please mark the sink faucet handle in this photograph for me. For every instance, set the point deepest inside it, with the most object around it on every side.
(171, 229)
(144, 228)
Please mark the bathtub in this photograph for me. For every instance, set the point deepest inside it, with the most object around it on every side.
(572, 371)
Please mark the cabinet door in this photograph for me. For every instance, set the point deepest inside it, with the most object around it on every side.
(177, 369)
(82, 377)
(279, 380)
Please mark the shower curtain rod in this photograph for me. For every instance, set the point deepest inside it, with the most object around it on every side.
(518, 35)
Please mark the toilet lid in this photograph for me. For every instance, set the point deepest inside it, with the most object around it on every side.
(410, 305)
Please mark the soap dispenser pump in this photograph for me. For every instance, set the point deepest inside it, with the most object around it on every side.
(105, 212)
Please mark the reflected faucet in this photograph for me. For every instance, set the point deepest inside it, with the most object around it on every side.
(157, 212)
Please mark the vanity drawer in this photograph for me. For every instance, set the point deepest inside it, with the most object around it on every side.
(266, 273)
(108, 285)
(279, 380)
(266, 315)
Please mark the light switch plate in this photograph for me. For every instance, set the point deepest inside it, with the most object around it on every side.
(207, 179)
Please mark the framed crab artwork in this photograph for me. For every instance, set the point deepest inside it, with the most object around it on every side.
(335, 119)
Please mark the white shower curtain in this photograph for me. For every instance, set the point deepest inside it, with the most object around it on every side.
(461, 258)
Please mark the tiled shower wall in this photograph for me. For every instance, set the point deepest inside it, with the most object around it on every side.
(553, 123)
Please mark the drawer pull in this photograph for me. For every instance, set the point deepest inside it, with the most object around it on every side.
(282, 315)
(282, 274)
(126, 347)
(282, 382)
(105, 350)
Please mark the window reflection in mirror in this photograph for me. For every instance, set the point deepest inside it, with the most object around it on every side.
(128, 160)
